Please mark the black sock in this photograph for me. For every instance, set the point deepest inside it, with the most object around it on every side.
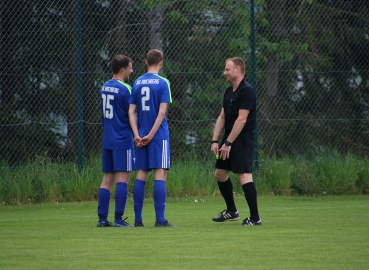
(250, 195)
(226, 189)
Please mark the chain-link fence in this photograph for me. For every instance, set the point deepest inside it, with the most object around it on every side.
(311, 73)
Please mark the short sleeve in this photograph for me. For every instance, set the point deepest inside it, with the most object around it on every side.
(247, 97)
(165, 94)
(132, 98)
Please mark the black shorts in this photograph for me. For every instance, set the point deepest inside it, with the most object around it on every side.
(241, 157)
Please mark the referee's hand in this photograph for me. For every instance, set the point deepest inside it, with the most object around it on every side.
(224, 152)
(214, 148)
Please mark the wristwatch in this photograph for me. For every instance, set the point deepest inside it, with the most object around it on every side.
(227, 143)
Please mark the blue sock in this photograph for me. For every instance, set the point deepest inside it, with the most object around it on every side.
(160, 195)
(138, 198)
(103, 204)
(121, 193)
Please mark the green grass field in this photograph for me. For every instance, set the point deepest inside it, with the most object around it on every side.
(297, 233)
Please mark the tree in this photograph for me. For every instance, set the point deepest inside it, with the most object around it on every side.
(311, 70)
(31, 81)
(309, 50)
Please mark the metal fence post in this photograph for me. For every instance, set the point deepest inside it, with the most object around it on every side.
(80, 140)
(253, 76)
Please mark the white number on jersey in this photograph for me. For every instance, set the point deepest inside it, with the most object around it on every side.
(145, 92)
(107, 107)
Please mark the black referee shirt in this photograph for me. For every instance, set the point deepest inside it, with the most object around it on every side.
(243, 98)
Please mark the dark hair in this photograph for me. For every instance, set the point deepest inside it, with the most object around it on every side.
(239, 62)
(154, 57)
(120, 61)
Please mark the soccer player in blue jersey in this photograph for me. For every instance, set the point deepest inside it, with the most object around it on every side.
(118, 145)
(148, 106)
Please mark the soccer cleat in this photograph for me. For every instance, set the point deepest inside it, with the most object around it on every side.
(165, 224)
(104, 224)
(123, 224)
(139, 224)
(250, 222)
(226, 215)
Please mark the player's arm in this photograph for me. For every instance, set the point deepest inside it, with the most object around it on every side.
(238, 125)
(218, 129)
(133, 122)
(159, 119)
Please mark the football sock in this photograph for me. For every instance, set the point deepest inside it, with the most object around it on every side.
(138, 198)
(251, 199)
(160, 195)
(103, 204)
(226, 189)
(121, 193)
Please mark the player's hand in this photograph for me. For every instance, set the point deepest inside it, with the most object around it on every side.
(138, 141)
(224, 152)
(145, 140)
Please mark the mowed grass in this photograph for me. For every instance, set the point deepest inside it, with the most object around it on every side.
(297, 233)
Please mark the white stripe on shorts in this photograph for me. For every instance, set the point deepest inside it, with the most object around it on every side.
(164, 155)
(129, 160)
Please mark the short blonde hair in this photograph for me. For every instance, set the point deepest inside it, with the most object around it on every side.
(239, 62)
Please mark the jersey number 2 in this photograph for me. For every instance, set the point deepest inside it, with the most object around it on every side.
(107, 107)
(145, 92)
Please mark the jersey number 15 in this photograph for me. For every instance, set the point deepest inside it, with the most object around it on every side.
(107, 106)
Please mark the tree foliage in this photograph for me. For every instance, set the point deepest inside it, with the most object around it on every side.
(312, 77)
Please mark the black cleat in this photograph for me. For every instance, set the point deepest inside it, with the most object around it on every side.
(104, 224)
(165, 224)
(250, 222)
(226, 215)
(139, 224)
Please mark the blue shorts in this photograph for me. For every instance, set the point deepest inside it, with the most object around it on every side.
(118, 160)
(155, 155)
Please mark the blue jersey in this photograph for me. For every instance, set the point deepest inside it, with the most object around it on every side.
(117, 133)
(149, 91)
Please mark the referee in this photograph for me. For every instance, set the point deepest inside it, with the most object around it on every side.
(238, 120)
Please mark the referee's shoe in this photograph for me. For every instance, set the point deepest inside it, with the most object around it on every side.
(226, 215)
